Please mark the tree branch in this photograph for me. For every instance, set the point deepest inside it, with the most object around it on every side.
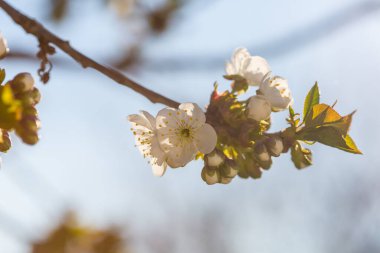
(40, 32)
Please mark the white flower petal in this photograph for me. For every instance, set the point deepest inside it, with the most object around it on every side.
(159, 170)
(143, 119)
(276, 90)
(181, 155)
(205, 139)
(150, 118)
(230, 69)
(196, 116)
(235, 66)
(167, 117)
(239, 56)
(156, 150)
(254, 69)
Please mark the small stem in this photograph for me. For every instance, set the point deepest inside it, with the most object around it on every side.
(40, 32)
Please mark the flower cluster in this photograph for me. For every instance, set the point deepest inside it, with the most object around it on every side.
(273, 93)
(235, 140)
(18, 100)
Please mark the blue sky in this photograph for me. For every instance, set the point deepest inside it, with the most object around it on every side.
(86, 158)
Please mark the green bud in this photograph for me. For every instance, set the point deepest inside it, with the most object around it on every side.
(214, 159)
(225, 180)
(210, 176)
(262, 156)
(35, 95)
(228, 171)
(261, 152)
(22, 82)
(274, 145)
(5, 142)
(301, 157)
(253, 169)
(243, 173)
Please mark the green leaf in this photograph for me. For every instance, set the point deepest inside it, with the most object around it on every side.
(332, 137)
(352, 146)
(322, 115)
(342, 125)
(291, 112)
(311, 99)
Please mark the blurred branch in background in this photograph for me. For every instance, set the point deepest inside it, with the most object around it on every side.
(46, 37)
(283, 46)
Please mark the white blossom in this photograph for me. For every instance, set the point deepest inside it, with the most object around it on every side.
(183, 132)
(276, 91)
(3, 46)
(144, 130)
(252, 68)
(259, 108)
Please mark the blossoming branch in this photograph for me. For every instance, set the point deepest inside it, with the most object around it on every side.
(232, 135)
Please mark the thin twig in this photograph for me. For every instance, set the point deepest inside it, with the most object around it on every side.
(40, 32)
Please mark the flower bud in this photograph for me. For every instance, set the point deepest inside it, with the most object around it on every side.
(262, 156)
(210, 176)
(3, 47)
(214, 159)
(258, 108)
(23, 82)
(35, 96)
(275, 145)
(276, 91)
(243, 173)
(253, 170)
(262, 153)
(5, 141)
(301, 157)
(228, 171)
(225, 180)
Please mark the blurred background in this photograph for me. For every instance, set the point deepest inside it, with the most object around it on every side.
(86, 179)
